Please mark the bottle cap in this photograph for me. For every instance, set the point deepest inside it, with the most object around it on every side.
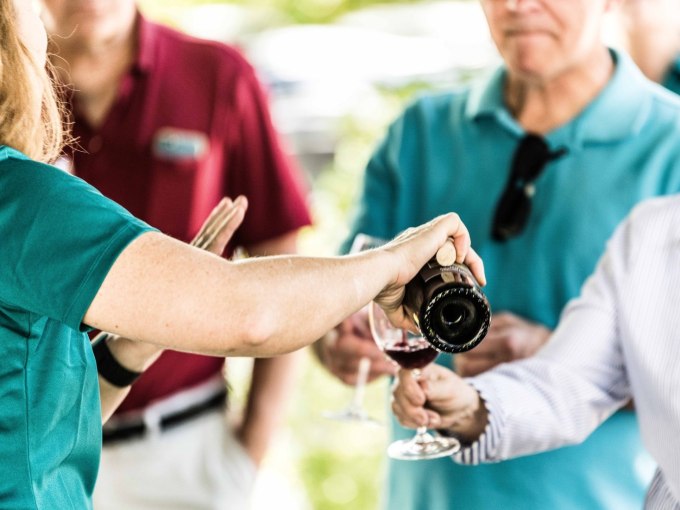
(446, 255)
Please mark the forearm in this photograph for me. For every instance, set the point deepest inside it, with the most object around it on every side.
(134, 356)
(532, 406)
(216, 307)
(111, 397)
(270, 390)
(557, 397)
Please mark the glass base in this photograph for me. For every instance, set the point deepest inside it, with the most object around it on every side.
(351, 414)
(423, 446)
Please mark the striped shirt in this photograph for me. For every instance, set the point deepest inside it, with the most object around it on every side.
(619, 339)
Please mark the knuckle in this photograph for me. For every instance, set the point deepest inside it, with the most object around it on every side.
(514, 345)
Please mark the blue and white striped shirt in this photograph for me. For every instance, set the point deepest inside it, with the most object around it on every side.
(619, 339)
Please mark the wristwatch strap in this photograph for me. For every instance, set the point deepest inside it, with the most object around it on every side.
(108, 366)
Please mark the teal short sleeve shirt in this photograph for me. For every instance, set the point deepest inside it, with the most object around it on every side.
(58, 239)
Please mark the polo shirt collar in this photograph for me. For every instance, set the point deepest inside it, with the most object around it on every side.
(146, 38)
(487, 100)
(616, 113)
(672, 77)
(675, 68)
(7, 152)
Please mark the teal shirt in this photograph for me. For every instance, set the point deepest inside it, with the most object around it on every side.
(672, 79)
(452, 152)
(59, 238)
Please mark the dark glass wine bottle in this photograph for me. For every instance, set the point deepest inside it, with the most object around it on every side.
(449, 307)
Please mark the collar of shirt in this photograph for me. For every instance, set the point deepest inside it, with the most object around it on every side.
(672, 78)
(7, 152)
(615, 114)
(146, 38)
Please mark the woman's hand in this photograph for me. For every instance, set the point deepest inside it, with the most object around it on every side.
(411, 256)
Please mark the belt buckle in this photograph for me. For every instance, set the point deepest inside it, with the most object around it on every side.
(152, 422)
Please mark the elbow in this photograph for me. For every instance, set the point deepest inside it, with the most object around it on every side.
(259, 336)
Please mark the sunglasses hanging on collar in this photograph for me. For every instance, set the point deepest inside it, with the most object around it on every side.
(513, 209)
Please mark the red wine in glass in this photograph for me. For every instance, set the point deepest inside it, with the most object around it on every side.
(411, 355)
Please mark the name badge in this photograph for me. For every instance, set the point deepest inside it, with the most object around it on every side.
(179, 144)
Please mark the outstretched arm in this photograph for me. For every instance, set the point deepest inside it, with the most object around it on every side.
(162, 291)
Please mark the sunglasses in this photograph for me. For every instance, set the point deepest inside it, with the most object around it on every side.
(513, 209)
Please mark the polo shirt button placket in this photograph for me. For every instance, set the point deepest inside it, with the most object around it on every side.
(95, 144)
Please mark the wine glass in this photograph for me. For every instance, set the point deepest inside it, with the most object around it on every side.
(413, 352)
(354, 411)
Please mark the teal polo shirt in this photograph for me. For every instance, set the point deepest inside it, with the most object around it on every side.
(59, 238)
(672, 78)
(452, 152)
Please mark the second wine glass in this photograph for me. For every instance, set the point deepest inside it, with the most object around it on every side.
(412, 352)
(354, 411)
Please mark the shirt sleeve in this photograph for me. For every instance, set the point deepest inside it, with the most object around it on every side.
(260, 169)
(375, 214)
(60, 239)
(559, 396)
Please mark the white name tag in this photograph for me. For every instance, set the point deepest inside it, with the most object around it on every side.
(179, 144)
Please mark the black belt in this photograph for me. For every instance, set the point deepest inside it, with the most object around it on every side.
(126, 431)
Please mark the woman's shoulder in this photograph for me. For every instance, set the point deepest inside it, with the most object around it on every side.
(20, 174)
(13, 161)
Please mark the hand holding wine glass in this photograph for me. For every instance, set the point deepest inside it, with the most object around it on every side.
(413, 352)
(441, 399)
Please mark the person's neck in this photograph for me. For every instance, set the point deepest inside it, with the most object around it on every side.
(543, 105)
(85, 58)
(94, 68)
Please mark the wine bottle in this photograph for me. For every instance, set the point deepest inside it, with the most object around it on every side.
(448, 306)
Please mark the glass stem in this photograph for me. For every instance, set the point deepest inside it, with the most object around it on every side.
(360, 386)
(421, 432)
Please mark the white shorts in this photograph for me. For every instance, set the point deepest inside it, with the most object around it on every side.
(197, 465)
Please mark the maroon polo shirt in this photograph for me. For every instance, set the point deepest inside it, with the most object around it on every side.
(190, 124)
